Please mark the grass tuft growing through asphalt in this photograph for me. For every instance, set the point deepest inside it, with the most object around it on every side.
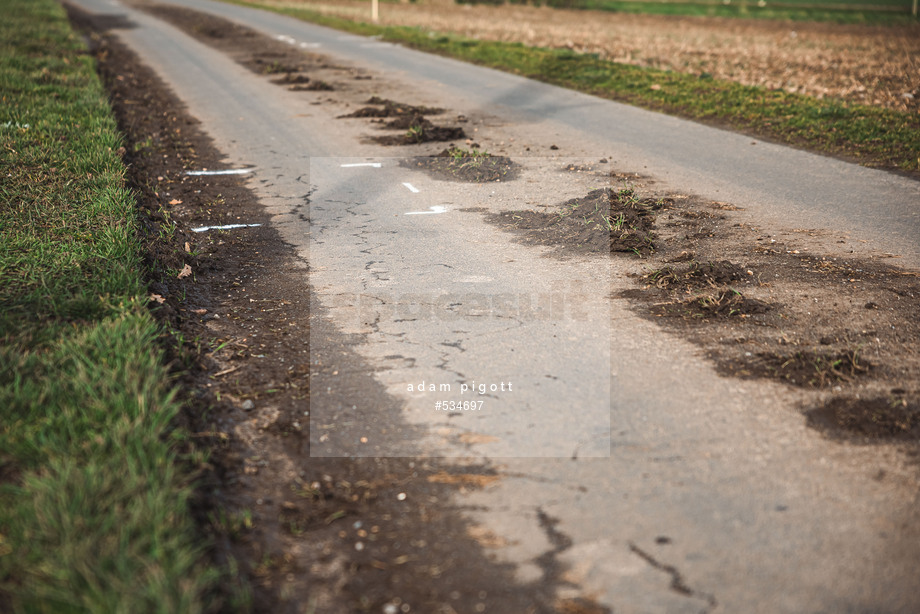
(869, 135)
(93, 501)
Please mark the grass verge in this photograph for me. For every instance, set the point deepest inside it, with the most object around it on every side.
(93, 499)
(876, 12)
(868, 135)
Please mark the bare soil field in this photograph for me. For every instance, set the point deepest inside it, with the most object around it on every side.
(873, 65)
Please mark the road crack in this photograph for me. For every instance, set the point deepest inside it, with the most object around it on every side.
(678, 583)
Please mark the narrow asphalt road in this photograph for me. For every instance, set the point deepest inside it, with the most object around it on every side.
(677, 490)
(780, 185)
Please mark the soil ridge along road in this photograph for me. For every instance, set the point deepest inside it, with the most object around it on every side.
(693, 492)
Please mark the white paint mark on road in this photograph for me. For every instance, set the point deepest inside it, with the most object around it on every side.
(475, 279)
(412, 188)
(435, 209)
(286, 39)
(224, 227)
(229, 171)
(371, 164)
(310, 45)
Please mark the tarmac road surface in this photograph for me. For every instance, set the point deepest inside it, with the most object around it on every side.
(677, 490)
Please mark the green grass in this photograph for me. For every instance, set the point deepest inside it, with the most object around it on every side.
(93, 504)
(876, 12)
(869, 135)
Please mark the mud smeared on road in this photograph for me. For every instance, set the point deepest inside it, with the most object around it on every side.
(335, 535)
(345, 535)
(760, 304)
(304, 71)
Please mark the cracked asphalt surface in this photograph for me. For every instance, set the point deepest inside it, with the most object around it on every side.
(642, 480)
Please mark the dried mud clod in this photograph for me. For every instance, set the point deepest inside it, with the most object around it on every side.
(384, 107)
(632, 220)
(258, 53)
(471, 166)
(603, 221)
(292, 79)
(819, 322)
(874, 419)
(410, 118)
(420, 130)
(803, 368)
(723, 303)
(302, 83)
(712, 289)
(314, 86)
(271, 66)
(696, 274)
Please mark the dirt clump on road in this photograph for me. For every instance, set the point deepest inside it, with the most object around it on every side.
(304, 71)
(760, 304)
(889, 417)
(470, 166)
(410, 118)
(302, 83)
(845, 330)
(299, 69)
(383, 107)
(419, 129)
(604, 220)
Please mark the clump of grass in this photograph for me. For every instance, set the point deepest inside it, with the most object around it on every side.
(631, 221)
(93, 507)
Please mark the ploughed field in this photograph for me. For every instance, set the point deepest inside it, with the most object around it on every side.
(876, 65)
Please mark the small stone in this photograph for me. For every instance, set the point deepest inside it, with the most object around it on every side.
(248, 405)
